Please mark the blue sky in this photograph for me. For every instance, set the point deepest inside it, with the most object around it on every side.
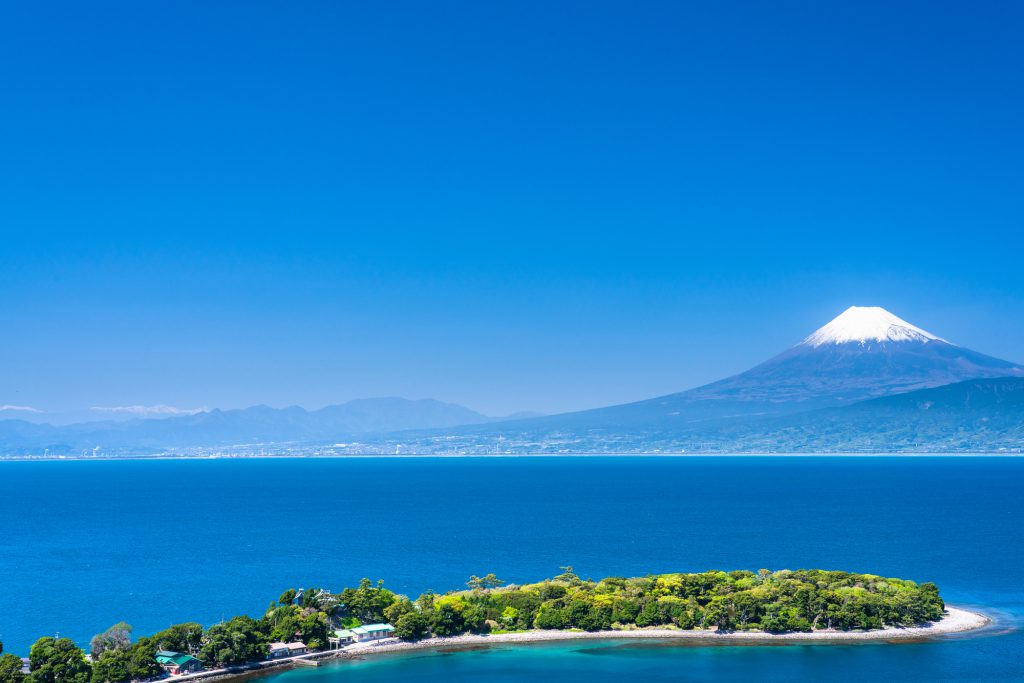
(513, 206)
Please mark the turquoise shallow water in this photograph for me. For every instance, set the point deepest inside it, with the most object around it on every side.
(617, 661)
(86, 544)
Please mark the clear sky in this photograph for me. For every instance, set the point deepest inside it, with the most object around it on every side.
(509, 205)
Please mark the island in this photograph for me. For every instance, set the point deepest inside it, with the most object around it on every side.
(306, 626)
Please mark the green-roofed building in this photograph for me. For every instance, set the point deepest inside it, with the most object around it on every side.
(177, 663)
(360, 634)
(373, 631)
(342, 638)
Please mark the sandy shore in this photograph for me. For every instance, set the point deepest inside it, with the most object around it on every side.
(956, 620)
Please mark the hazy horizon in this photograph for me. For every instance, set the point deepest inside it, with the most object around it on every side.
(128, 412)
(511, 208)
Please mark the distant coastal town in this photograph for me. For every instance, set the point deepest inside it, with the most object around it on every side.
(306, 626)
(868, 382)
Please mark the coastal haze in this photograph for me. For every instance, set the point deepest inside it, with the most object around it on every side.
(823, 394)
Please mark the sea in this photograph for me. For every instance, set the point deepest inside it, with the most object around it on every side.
(86, 544)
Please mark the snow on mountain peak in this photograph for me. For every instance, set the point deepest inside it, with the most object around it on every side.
(864, 324)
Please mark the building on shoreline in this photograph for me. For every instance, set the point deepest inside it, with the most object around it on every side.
(373, 632)
(278, 650)
(176, 663)
(342, 638)
(360, 634)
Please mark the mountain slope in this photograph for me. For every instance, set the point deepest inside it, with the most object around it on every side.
(865, 352)
(983, 415)
(975, 415)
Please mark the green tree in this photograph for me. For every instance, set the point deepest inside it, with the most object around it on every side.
(186, 637)
(57, 660)
(474, 619)
(447, 621)
(568, 575)
(683, 618)
(412, 626)
(589, 616)
(367, 602)
(287, 598)
(509, 615)
(283, 622)
(116, 658)
(492, 581)
(395, 610)
(485, 583)
(10, 669)
(142, 660)
(625, 611)
(722, 613)
(552, 591)
(313, 629)
(425, 603)
(650, 614)
(550, 617)
(237, 641)
(118, 636)
(111, 666)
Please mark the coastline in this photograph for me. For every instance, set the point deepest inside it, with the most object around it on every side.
(492, 456)
(956, 620)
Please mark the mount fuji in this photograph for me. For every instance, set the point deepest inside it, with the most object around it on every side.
(866, 352)
(868, 380)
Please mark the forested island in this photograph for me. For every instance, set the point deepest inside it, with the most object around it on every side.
(715, 602)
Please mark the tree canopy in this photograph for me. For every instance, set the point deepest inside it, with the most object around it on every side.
(57, 660)
(10, 669)
(117, 636)
(742, 600)
(776, 602)
(187, 638)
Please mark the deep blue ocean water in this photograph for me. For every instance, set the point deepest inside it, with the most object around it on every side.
(87, 544)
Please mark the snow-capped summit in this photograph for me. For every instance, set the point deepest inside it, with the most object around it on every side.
(864, 353)
(867, 324)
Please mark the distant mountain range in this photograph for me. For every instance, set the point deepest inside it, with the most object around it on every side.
(867, 380)
(849, 386)
(260, 425)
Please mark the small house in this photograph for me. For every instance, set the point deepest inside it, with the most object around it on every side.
(278, 650)
(345, 636)
(373, 632)
(177, 663)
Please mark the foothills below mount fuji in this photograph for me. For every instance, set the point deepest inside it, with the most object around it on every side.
(868, 381)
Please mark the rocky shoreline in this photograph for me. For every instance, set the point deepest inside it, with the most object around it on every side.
(956, 620)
